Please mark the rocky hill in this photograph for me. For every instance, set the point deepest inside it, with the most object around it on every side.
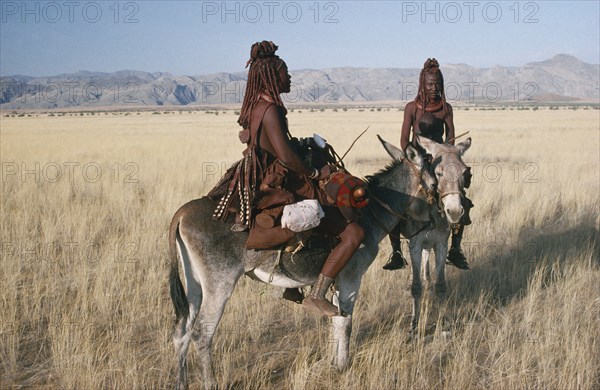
(561, 78)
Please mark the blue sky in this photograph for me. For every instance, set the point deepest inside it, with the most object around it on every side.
(42, 38)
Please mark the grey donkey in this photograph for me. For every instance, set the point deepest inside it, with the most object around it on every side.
(213, 259)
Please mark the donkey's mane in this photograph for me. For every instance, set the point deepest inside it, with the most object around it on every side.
(374, 180)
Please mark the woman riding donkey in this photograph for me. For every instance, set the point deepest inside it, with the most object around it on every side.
(430, 116)
(272, 163)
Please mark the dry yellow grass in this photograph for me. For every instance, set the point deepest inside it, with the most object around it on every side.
(84, 298)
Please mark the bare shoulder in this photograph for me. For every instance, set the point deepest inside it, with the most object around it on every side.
(271, 110)
(273, 120)
(409, 109)
(271, 114)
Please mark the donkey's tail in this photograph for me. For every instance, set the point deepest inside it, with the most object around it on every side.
(180, 302)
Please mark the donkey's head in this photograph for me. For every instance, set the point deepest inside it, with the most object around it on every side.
(449, 171)
(416, 182)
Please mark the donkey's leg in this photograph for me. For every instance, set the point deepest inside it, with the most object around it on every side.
(217, 287)
(183, 329)
(347, 285)
(441, 251)
(341, 326)
(341, 329)
(182, 335)
(425, 267)
(416, 251)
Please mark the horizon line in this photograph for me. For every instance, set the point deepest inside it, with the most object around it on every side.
(291, 70)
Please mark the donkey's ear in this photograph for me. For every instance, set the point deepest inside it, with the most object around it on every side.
(413, 155)
(464, 146)
(430, 146)
(394, 152)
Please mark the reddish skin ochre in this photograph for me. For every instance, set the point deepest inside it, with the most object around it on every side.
(433, 87)
(274, 139)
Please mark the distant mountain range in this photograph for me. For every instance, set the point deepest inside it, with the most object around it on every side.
(561, 78)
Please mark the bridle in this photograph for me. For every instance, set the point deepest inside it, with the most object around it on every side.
(429, 197)
(442, 195)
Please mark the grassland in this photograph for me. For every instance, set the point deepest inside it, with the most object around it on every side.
(86, 202)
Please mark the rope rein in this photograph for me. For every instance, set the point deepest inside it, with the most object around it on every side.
(429, 198)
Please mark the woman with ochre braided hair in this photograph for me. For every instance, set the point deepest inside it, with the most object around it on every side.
(430, 116)
(265, 130)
